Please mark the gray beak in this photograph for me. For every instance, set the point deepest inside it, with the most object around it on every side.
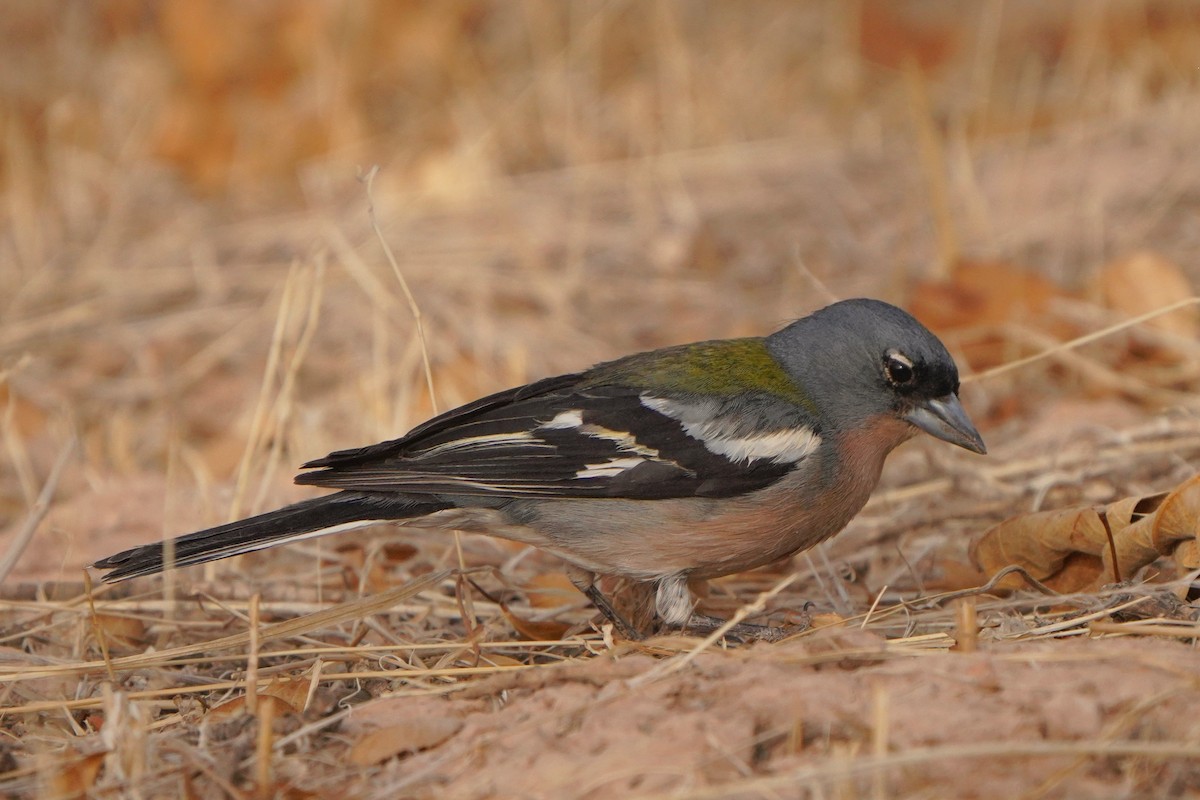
(944, 418)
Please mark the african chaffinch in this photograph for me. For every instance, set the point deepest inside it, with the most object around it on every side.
(693, 461)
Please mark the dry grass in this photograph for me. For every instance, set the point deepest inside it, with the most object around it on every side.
(192, 289)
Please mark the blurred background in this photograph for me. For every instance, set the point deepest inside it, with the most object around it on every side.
(190, 283)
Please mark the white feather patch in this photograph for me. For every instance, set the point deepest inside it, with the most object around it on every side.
(624, 440)
(565, 419)
(673, 601)
(483, 442)
(785, 446)
(610, 468)
(781, 447)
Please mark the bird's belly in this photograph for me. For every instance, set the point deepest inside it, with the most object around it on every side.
(706, 538)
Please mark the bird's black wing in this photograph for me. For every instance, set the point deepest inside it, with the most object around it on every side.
(564, 438)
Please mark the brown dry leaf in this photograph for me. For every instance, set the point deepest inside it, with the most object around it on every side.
(1079, 572)
(1187, 555)
(535, 630)
(952, 574)
(988, 294)
(121, 633)
(1069, 550)
(394, 553)
(222, 55)
(288, 694)
(234, 708)
(889, 37)
(1146, 281)
(352, 554)
(552, 590)
(292, 691)
(1133, 524)
(1131, 510)
(354, 557)
(826, 620)
(983, 293)
(417, 734)
(25, 418)
(78, 778)
(1160, 525)
(1175, 520)
(227, 710)
(1041, 543)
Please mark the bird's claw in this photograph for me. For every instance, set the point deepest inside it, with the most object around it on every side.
(741, 632)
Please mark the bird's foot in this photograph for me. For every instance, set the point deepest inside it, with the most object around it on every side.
(740, 632)
(585, 582)
(621, 624)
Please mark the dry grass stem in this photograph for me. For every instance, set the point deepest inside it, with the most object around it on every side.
(1079, 341)
(37, 512)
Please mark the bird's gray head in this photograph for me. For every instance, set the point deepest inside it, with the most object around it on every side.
(858, 359)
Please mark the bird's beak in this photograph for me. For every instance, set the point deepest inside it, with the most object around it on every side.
(945, 418)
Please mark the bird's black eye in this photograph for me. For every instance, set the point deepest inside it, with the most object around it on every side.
(899, 369)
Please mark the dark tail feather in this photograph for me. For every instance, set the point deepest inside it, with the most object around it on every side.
(304, 520)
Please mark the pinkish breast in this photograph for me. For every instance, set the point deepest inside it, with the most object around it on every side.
(799, 511)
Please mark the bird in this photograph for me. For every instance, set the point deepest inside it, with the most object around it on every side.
(687, 462)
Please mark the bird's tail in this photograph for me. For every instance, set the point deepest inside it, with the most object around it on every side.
(304, 520)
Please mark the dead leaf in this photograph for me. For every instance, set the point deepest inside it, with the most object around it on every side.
(1078, 573)
(983, 293)
(1134, 536)
(1069, 550)
(890, 37)
(552, 590)
(288, 694)
(535, 630)
(953, 574)
(78, 778)
(1146, 281)
(121, 633)
(1175, 520)
(988, 295)
(1187, 555)
(1131, 510)
(826, 620)
(394, 553)
(1041, 543)
(364, 568)
(292, 691)
(25, 418)
(417, 734)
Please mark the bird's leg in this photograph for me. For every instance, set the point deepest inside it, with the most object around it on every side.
(673, 601)
(586, 582)
(703, 624)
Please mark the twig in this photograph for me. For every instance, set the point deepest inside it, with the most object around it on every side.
(368, 180)
(37, 513)
(673, 665)
(252, 658)
(280, 630)
(262, 406)
(929, 602)
(1080, 341)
